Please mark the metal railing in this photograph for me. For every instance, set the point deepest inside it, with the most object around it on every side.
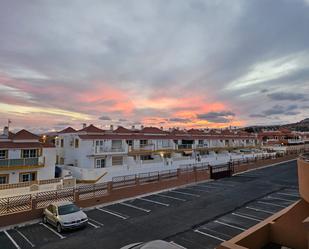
(19, 162)
(100, 149)
(184, 146)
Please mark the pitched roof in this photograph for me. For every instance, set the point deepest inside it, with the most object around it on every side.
(25, 135)
(152, 130)
(91, 129)
(121, 129)
(9, 145)
(67, 130)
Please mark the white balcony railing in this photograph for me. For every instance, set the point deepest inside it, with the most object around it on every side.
(102, 150)
(6, 163)
(146, 147)
(295, 141)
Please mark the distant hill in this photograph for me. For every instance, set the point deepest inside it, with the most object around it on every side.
(299, 126)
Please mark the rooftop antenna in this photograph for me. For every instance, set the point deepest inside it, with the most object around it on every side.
(9, 122)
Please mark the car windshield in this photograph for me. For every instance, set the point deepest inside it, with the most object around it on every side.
(67, 209)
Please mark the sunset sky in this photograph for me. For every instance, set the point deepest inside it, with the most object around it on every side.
(176, 63)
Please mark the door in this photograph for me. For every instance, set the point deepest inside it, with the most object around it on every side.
(51, 214)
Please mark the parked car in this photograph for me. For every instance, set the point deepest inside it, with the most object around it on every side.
(155, 244)
(64, 215)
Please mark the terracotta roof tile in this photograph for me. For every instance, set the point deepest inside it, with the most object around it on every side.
(121, 129)
(92, 129)
(67, 130)
(25, 135)
(152, 130)
(9, 145)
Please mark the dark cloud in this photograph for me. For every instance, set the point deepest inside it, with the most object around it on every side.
(63, 124)
(288, 96)
(257, 115)
(105, 118)
(180, 120)
(280, 109)
(216, 117)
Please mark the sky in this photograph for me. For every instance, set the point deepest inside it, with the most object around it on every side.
(176, 63)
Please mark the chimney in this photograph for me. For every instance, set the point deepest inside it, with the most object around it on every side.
(84, 125)
(133, 127)
(6, 131)
(142, 127)
(161, 128)
(111, 127)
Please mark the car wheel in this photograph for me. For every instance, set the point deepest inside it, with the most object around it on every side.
(44, 219)
(59, 228)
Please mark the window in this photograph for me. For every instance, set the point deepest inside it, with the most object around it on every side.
(50, 208)
(143, 142)
(27, 176)
(165, 143)
(4, 179)
(61, 143)
(29, 153)
(130, 142)
(76, 143)
(3, 154)
(100, 163)
(116, 144)
(99, 143)
(200, 141)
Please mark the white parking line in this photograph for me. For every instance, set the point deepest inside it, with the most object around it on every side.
(52, 230)
(175, 244)
(179, 192)
(209, 235)
(228, 225)
(112, 213)
(171, 197)
(260, 210)
(11, 239)
(288, 194)
(277, 198)
(101, 224)
(216, 232)
(25, 238)
(198, 189)
(246, 217)
(136, 207)
(272, 204)
(156, 202)
(93, 225)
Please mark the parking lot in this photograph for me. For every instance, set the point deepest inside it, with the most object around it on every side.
(229, 225)
(196, 216)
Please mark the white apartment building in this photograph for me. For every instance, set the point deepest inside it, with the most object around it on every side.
(24, 158)
(91, 152)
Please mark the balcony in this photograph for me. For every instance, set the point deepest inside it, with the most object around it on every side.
(295, 141)
(99, 150)
(146, 147)
(185, 146)
(8, 164)
(200, 146)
